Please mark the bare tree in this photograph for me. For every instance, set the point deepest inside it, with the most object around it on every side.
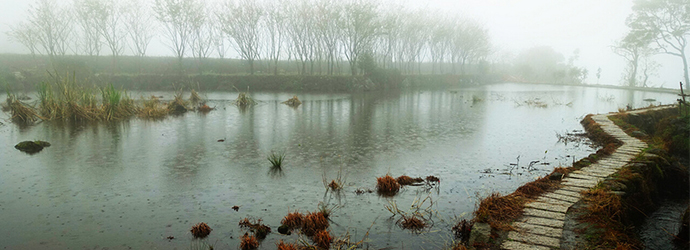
(202, 40)
(359, 27)
(274, 24)
(470, 43)
(327, 16)
(85, 12)
(177, 17)
(666, 23)
(634, 51)
(140, 26)
(52, 27)
(241, 21)
(300, 25)
(25, 34)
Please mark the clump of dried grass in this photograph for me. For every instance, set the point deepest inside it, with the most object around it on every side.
(293, 220)
(244, 100)
(248, 242)
(194, 97)
(21, 112)
(201, 230)
(412, 222)
(285, 246)
(406, 180)
(322, 239)
(387, 185)
(293, 102)
(314, 222)
(178, 104)
(259, 229)
(499, 211)
(152, 109)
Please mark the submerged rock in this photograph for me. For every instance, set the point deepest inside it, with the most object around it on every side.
(32, 147)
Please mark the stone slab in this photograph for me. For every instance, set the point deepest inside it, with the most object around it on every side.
(555, 201)
(568, 193)
(516, 245)
(542, 222)
(584, 176)
(592, 173)
(543, 214)
(547, 206)
(534, 239)
(573, 189)
(561, 197)
(540, 230)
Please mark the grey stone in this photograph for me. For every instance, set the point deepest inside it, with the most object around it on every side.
(534, 239)
(541, 230)
(543, 222)
(481, 232)
(516, 245)
(547, 206)
(543, 214)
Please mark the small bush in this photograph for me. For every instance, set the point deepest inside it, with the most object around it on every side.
(293, 102)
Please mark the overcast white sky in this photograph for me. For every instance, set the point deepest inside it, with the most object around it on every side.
(589, 25)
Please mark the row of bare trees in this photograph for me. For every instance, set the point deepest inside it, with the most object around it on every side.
(318, 36)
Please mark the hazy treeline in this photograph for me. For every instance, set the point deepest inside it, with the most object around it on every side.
(313, 36)
(656, 27)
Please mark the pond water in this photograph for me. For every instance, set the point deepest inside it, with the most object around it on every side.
(132, 184)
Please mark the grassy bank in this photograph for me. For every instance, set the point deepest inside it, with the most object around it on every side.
(612, 210)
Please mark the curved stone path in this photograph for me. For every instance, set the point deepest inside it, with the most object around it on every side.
(541, 226)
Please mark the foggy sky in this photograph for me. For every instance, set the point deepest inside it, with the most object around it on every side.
(591, 26)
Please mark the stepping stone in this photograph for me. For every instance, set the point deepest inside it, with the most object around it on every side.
(561, 197)
(555, 201)
(568, 193)
(534, 239)
(548, 206)
(516, 245)
(579, 182)
(573, 189)
(543, 214)
(591, 173)
(584, 177)
(540, 230)
(543, 222)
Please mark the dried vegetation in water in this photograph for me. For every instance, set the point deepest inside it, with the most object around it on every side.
(259, 229)
(248, 242)
(387, 185)
(201, 230)
(293, 102)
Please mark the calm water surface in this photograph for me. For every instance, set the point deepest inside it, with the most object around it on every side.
(131, 184)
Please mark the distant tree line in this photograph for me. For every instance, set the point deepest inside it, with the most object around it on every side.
(317, 36)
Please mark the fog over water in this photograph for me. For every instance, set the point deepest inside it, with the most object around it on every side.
(588, 25)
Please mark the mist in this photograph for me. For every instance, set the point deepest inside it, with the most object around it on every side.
(589, 27)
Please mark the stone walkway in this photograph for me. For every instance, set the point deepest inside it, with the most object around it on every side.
(541, 225)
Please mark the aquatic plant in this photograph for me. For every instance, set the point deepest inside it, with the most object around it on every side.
(151, 109)
(244, 100)
(178, 104)
(21, 112)
(293, 102)
(322, 239)
(285, 246)
(406, 180)
(205, 108)
(276, 159)
(418, 217)
(386, 185)
(194, 97)
(258, 228)
(462, 230)
(293, 220)
(248, 242)
(314, 222)
(201, 230)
